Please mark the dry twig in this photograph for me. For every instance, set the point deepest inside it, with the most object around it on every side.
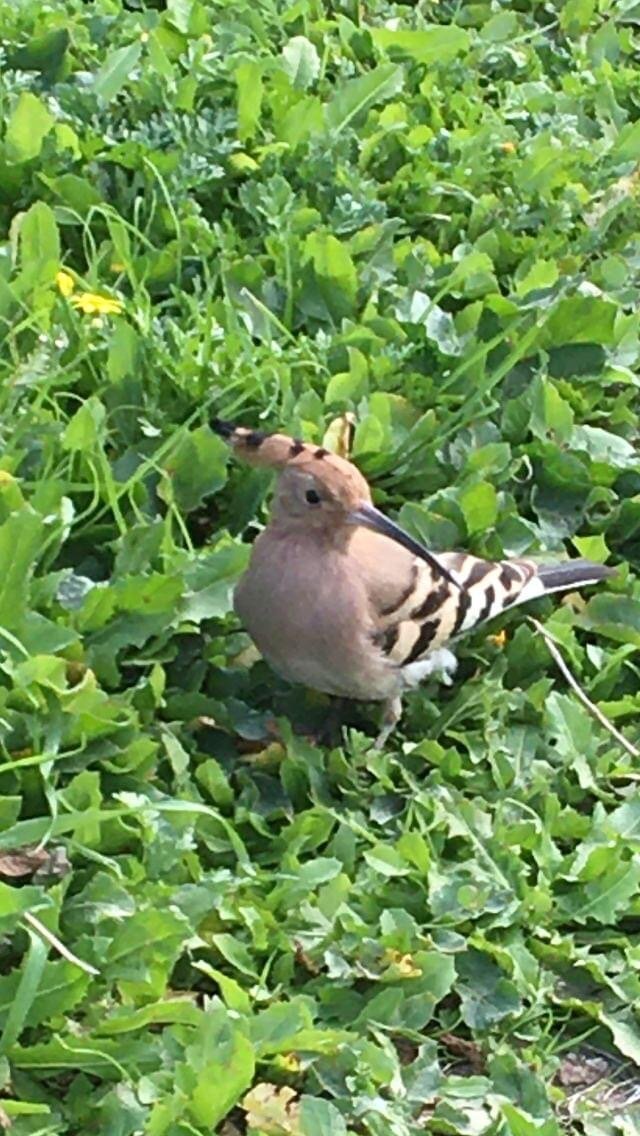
(575, 686)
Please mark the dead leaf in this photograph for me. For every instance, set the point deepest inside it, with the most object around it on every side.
(624, 188)
(246, 657)
(273, 1109)
(305, 960)
(582, 1069)
(462, 1047)
(31, 860)
(338, 436)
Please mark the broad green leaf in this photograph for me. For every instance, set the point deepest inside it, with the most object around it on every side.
(20, 546)
(28, 126)
(43, 53)
(369, 436)
(169, 1010)
(625, 820)
(603, 446)
(301, 62)
(275, 1029)
(143, 951)
(219, 1069)
(116, 70)
(502, 27)
(606, 898)
(39, 248)
(97, 1058)
(333, 270)
(592, 547)
(615, 616)
(86, 429)
(625, 1034)
(486, 994)
(626, 147)
(521, 1123)
(542, 274)
(356, 96)
(25, 992)
(433, 44)
(235, 952)
(179, 12)
(299, 121)
(385, 861)
(479, 504)
(52, 987)
(15, 901)
(249, 80)
(195, 467)
(210, 581)
(551, 414)
(319, 1117)
(439, 327)
(576, 16)
(580, 319)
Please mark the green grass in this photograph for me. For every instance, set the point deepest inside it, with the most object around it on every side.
(425, 216)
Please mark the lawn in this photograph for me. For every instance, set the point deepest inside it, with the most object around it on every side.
(412, 230)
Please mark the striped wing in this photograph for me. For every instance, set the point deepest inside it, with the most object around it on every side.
(431, 612)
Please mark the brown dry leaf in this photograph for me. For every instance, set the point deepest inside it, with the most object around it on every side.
(582, 1070)
(625, 187)
(338, 436)
(273, 1109)
(461, 1047)
(247, 657)
(24, 861)
(305, 960)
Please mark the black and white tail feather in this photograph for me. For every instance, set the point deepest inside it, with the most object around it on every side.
(418, 632)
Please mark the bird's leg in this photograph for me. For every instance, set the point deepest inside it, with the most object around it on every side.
(390, 718)
(329, 732)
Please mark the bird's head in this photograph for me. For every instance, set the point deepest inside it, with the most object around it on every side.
(318, 489)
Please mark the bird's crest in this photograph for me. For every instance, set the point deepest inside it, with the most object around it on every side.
(342, 481)
(277, 451)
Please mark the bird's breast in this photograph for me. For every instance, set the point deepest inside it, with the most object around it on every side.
(305, 604)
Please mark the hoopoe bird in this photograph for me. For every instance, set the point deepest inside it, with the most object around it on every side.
(338, 597)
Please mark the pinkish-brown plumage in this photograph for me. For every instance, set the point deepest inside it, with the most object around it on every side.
(338, 598)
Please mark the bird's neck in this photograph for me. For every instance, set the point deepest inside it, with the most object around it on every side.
(318, 535)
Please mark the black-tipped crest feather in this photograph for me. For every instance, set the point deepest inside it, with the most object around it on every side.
(224, 429)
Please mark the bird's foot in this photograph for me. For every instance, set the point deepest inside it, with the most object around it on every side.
(330, 731)
(390, 718)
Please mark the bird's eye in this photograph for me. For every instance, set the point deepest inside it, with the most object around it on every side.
(312, 497)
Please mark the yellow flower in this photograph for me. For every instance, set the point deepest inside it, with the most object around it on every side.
(499, 639)
(508, 147)
(400, 965)
(65, 283)
(92, 304)
(289, 1062)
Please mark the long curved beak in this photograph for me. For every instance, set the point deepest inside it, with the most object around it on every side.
(371, 518)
